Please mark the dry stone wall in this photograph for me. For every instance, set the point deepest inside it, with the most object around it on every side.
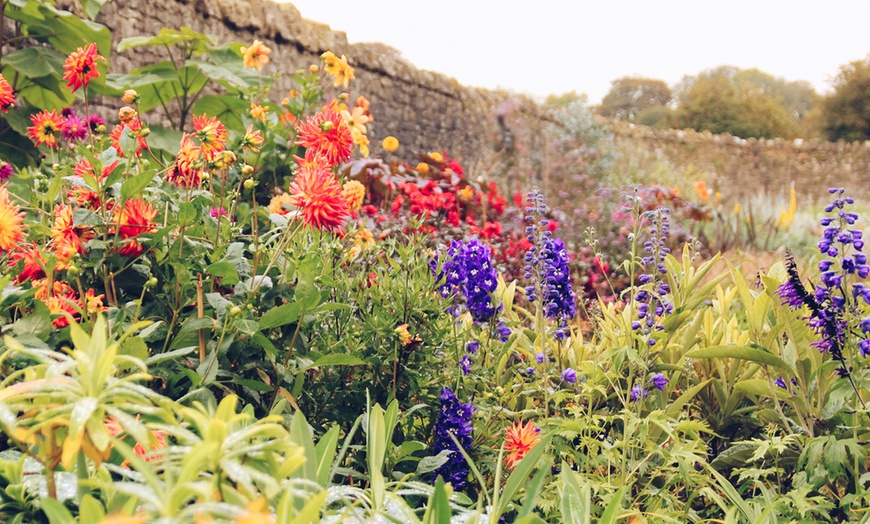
(429, 111)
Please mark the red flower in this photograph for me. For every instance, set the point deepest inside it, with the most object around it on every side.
(34, 264)
(520, 439)
(81, 66)
(212, 135)
(327, 135)
(317, 193)
(7, 95)
(187, 170)
(46, 128)
(132, 128)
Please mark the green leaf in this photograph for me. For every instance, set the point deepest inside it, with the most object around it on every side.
(186, 213)
(55, 510)
(438, 510)
(335, 359)
(520, 475)
(228, 109)
(325, 453)
(164, 38)
(611, 513)
(576, 500)
(135, 185)
(762, 388)
(92, 7)
(35, 61)
(281, 315)
(134, 347)
(37, 324)
(301, 435)
(62, 29)
(739, 352)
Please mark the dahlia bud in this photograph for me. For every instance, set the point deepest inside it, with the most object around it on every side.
(313, 68)
(145, 131)
(247, 170)
(152, 282)
(235, 311)
(130, 97)
(250, 183)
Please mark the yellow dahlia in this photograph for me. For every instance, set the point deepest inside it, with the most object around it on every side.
(354, 193)
(11, 220)
(341, 72)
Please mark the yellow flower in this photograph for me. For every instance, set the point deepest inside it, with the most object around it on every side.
(390, 143)
(362, 141)
(355, 119)
(258, 112)
(736, 209)
(354, 192)
(404, 335)
(423, 167)
(11, 219)
(436, 156)
(466, 193)
(338, 68)
(256, 56)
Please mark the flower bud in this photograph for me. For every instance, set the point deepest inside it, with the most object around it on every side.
(130, 97)
(235, 311)
(145, 131)
(73, 270)
(250, 183)
(101, 128)
(247, 170)
(152, 282)
(313, 68)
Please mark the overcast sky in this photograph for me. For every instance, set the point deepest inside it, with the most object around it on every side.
(553, 46)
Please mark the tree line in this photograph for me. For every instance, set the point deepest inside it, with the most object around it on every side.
(745, 103)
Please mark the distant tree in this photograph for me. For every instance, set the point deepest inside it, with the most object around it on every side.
(629, 96)
(565, 99)
(846, 112)
(728, 100)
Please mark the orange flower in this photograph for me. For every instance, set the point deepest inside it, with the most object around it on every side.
(81, 66)
(390, 144)
(326, 134)
(187, 170)
(341, 72)
(59, 288)
(252, 139)
(126, 114)
(46, 128)
(134, 128)
(65, 308)
(354, 193)
(7, 95)
(701, 189)
(256, 56)
(280, 204)
(520, 439)
(34, 264)
(11, 219)
(258, 112)
(212, 135)
(67, 238)
(317, 193)
(135, 217)
(94, 302)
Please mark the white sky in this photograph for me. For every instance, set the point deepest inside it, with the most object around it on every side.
(553, 46)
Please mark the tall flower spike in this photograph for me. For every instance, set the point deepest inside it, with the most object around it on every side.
(652, 297)
(454, 418)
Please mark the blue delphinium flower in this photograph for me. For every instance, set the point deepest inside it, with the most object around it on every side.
(652, 297)
(638, 393)
(569, 376)
(453, 418)
(468, 270)
(658, 381)
(547, 268)
(832, 303)
(472, 347)
(465, 365)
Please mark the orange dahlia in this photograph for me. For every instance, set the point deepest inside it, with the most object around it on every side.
(252, 139)
(64, 307)
(256, 56)
(187, 169)
(47, 126)
(317, 193)
(280, 204)
(34, 264)
(520, 439)
(132, 128)
(212, 135)
(7, 95)
(81, 66)
(135, 217)
(327, 135)
(67, 238)
(11, 219)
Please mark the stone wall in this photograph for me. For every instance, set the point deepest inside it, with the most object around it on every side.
(429, 111)
(426, 111)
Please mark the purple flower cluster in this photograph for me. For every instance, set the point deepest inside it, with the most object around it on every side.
(6, 170)
(657, 381)
(453, 418)
(547, 268)
(652, 299)
(74, 127)
(465, 362)
(468, 269)
(832, 300)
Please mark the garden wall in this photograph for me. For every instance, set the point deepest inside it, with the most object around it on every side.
(430, 111)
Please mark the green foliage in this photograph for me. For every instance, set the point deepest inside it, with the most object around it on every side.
(845, 113)
(630, 96)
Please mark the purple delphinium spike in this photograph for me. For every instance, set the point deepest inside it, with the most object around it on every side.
(658, 381)
(652, 300)
(638, 393)
(454, 418)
